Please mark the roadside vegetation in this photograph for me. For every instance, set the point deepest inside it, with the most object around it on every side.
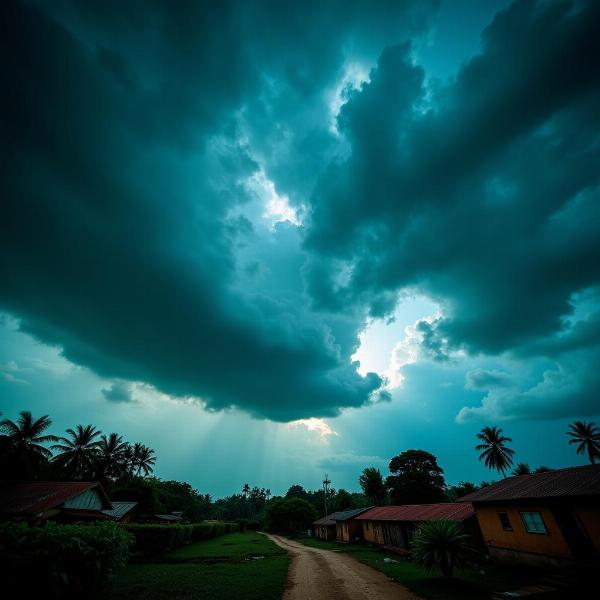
(238, 565)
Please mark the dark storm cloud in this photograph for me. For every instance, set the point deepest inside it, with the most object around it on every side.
(482, 193)
(126, 131)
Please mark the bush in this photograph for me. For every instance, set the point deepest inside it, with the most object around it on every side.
(289, 515)
(442, 546)
(155, 539)
(61, 561)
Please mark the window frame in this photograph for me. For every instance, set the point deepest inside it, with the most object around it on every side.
(505, 526)
(522, 513)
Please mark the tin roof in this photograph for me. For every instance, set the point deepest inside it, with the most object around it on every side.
(454, 511)
(574, 481)
(35, 497)
(344, 515)
(328, 520)
(119, 509)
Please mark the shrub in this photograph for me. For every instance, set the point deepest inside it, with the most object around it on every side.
(62, 561)
(443, 545)
(289, 515)
(154, 539)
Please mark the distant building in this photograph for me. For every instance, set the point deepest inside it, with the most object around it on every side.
(166, 519)
(325, 528)
(123, 512)
(547, 519)
(395, 526)
(347, 528)
(64, 501)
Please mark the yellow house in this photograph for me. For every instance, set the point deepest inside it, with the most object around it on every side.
(545, 519)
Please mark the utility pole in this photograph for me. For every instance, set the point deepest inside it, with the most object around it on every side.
(326, 484)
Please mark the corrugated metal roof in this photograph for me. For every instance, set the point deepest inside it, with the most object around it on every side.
(34, 497)
(168, 517)
(454, 511)
(349, 514)
(328, 520)
(574, 481)
(119, 509)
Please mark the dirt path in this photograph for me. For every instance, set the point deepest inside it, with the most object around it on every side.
(317, 574)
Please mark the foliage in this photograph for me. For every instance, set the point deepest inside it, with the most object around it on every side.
(521, 469)
(26, 454)
(289, 515)
(494, 451)
(78, 453)
(416, 479)
(587, 436)
(62, 561)
(157, 539)
(462, 488)
(443, 546)
(371, 483)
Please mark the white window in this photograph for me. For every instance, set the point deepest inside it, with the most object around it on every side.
(533, 522)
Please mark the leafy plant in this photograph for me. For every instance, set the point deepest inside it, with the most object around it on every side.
(443, 545)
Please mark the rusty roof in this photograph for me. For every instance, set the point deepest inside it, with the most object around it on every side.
(35, 497)
(574, 481)
(454, 511)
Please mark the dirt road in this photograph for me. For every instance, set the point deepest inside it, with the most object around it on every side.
(317, 574)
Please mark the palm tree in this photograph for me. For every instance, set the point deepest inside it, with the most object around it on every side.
(521, 469)
(26, 438)
(143, 459)
(442, 546)
(78, 455)
(246, 490)
(587, 435)
(113, 456)
(493, 449)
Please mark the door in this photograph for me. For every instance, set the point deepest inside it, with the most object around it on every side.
(575, 535)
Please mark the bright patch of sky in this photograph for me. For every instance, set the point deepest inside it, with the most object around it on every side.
(382, 340)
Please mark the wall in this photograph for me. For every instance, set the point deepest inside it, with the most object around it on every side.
(589, 516)
(552, 544)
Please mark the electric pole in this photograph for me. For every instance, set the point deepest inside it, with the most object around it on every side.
(326, 484)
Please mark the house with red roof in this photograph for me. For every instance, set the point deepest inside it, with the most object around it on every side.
(395, 526)
(65, 501)
(545, 519)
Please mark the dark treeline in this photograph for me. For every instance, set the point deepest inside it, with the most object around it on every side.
(29, 451)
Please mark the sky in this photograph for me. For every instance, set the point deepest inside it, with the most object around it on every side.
(272, 240)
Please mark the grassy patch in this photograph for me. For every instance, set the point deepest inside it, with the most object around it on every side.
(464, 586)
(216, 569)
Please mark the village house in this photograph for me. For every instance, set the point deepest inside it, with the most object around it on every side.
(395, 526)
(546, 519)
(64, 501)
(348, 529)
(325, 528)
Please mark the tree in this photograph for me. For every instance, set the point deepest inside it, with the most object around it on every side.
(25, 440)
(113, 457)
(296, 491)
(462, 488)
(342, 501)
(371, 483)
(289, 515)
(143, 459)
(443, 546)
(521, 469)
(494, 450)
(542, 469)
(587, 435)
(78, 453)
(417, 478)
(246, 490)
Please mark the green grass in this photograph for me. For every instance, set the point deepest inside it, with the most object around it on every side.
(216, 569)
(464, 586)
